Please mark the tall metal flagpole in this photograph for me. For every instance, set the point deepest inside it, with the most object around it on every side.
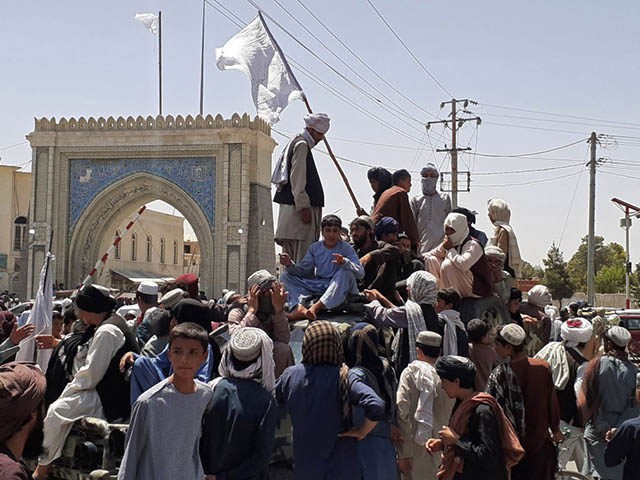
(202, 60)
(160, 61)
(306, 102)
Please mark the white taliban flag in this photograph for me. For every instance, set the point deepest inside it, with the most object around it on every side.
(254, 52)
(150, 21)
(40, 316)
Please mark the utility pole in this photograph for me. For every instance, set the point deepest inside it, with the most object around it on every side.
(455, 123)
(626, 224)
(593, 140)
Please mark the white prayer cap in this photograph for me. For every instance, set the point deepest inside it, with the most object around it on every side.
(539, 296)
(513, 334)
(66, 302)
(172, 297)
(148, 287)
(620, 336)
(576, 330)
(318, 121)
(613, 319)
(262, 278)
(493, 251)
(429, 339)
(246, 344)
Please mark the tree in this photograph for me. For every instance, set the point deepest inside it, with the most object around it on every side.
(528, 271)
(556, 276)
(610, 279)
(606, 256)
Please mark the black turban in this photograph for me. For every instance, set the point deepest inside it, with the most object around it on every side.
(451, 367)
(191, 310)
(95, 299)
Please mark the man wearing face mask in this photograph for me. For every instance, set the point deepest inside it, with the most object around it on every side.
(264, 309)
(430, 209)
(459, 261)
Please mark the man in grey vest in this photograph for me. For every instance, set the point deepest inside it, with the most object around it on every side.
(299, 191)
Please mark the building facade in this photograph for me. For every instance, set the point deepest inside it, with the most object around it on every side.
(15, 195)
(150, 250)
(90, 173)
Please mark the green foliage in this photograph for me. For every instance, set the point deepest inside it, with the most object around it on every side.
(528, 271)
(610, 279)
(556, 276)
(609, 260)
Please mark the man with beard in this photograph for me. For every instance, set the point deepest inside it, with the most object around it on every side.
(22, 387)
(379, 259)
(265, 310)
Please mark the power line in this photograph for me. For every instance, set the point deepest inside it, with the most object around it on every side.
(573, 132)
(573, 197)
(591, 124)
(560, 115)
(406, 47)
(365, 64)
(554, 149)
(394, 106)
(14, 145)
(529, 182)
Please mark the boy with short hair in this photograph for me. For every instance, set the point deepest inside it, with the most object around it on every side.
(331, 268)
(166, 422)
(481, 352)
(454, 340)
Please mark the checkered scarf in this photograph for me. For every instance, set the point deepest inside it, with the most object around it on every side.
(322, 344)
(504, 386)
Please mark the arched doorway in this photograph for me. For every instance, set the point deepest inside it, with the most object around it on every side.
(119, 199)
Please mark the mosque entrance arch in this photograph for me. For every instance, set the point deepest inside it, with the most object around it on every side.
(88, 173)
(124, 197)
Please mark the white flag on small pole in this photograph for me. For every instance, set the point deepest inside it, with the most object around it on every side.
(40, 317)
(150, 21)
(254, 52)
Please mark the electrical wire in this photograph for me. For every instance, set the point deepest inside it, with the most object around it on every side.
(548, 120)
(560, 115)
(573, 197)
(365, 64)
(14, 145)
(392, 105)
(531, 182)
(406, 47)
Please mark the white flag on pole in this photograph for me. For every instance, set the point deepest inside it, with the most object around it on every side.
(254, 52)
(150, 21)
(40, 316)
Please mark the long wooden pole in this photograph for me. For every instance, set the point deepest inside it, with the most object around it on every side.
(306, 102)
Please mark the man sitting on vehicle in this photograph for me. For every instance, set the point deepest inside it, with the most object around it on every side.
(379, 258)
(330, 268)
(459, 262)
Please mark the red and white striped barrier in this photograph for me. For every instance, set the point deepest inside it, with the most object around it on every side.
(103, 260)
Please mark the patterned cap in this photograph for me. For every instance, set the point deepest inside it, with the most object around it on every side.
(620, 336)
(513, 334)
(246, 344)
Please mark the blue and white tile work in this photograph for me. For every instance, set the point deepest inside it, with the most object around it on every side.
(196, 176)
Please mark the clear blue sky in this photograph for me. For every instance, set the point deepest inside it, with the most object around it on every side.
(580, 58)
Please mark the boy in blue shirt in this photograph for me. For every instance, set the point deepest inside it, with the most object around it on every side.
(331, 268)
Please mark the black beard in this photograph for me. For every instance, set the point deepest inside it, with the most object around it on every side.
(265, 305)
(360, 242)
(33, 446)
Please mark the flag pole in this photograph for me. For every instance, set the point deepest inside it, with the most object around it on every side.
(160, 61)
(306, 102)
(202, 60)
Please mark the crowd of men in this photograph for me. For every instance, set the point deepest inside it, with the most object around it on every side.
(412, 388)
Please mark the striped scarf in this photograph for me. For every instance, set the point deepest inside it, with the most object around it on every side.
(322, 344)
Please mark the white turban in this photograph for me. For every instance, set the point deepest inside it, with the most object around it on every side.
(458, 222)
(576, 330)
(499, 210)
(539, 296)
(318, 121)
